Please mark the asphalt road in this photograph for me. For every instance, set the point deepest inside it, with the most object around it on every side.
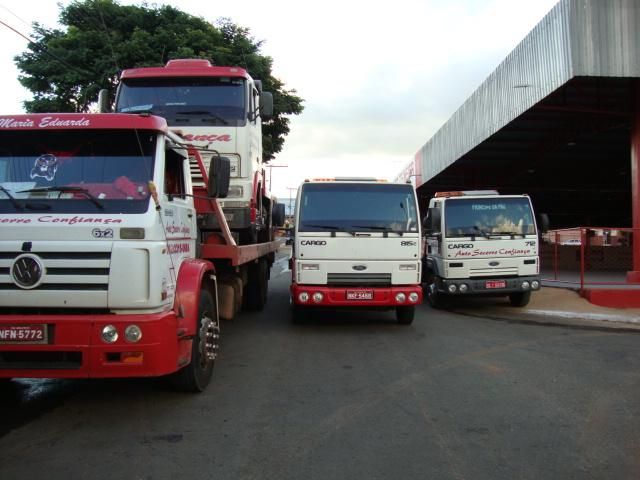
(351, 396)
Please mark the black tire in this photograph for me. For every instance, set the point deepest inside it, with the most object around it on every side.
(519, 299)
(434, 297)
(197, 374)
(255, 293)
(248, 236)
(404, 315)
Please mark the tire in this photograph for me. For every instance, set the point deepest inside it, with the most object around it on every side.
(519, 299)
(197, 374)
(434, 297)
(248, 236)
(255, 294)
(404, 315)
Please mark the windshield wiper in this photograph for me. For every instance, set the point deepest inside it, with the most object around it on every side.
(12, 199)
(204, 112)
(63, 189)
(511, 234)
(333, 228)
(382, 229)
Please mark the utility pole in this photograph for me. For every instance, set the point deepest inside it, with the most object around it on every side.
(291, 199)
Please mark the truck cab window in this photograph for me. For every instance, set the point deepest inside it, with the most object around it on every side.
(174, 176)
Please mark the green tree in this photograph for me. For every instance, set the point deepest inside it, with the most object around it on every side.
(65, 68)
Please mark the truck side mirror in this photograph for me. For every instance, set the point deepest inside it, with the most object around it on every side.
(266, 105)
(431, 223)
(277, 215)
(544, 223)
(104, 105)
(219, 176)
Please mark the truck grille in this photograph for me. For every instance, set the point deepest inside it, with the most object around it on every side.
(493, 272)
(77, 271)
(359, 279)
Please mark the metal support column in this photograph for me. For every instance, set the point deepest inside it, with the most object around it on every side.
(634, 276)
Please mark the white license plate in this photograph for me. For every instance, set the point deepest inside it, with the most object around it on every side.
(23, 334)
(359, 294)
(495, 284)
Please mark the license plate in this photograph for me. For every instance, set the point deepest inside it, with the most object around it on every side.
(359, 294)
(23, 334)
(496, 284)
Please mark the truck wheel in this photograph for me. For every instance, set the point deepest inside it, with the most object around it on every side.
(434, 297)
(196, 376)
(248, 236)
(404, 315)
(519, 299)
(255, 294)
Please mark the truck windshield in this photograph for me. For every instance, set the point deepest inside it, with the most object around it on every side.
(488, 216)
(76, 171)
(192, 101)
(357, 207)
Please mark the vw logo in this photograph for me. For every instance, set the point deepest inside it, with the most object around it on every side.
(359, 268)
(27, 271)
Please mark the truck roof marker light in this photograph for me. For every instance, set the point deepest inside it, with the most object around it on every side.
(462, 193)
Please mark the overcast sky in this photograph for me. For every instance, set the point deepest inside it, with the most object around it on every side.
(378, 79)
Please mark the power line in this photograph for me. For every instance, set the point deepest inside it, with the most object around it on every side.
(46, 51)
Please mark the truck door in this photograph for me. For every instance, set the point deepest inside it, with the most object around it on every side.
(178, 213)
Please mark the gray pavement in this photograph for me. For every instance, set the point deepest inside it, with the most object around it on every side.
(551, 305)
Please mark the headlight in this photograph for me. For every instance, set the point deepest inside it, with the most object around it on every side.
(303, 297)
(525, 285)
(235, 191)
(463, 288)
(408, 266)
(318, 297)
(400, 297)
(109, 334)
(133, 333)
(452, 288)
(535, 285)
(413, 297)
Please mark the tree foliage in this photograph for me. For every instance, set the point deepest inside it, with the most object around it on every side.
(65, 69)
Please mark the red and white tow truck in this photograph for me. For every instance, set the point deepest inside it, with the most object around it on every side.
(109, 266)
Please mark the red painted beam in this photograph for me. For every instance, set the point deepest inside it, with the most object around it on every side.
(634, 276)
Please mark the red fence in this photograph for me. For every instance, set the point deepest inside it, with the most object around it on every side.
(588, 257)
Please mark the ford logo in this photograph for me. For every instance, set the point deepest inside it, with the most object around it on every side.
(359, 268)
(494, 264)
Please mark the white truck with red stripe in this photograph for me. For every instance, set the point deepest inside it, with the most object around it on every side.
(109, 265)
(356, 246)
(220, 108)
(480, 243)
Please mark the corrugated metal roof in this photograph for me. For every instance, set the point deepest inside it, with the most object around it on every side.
(576, 38)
